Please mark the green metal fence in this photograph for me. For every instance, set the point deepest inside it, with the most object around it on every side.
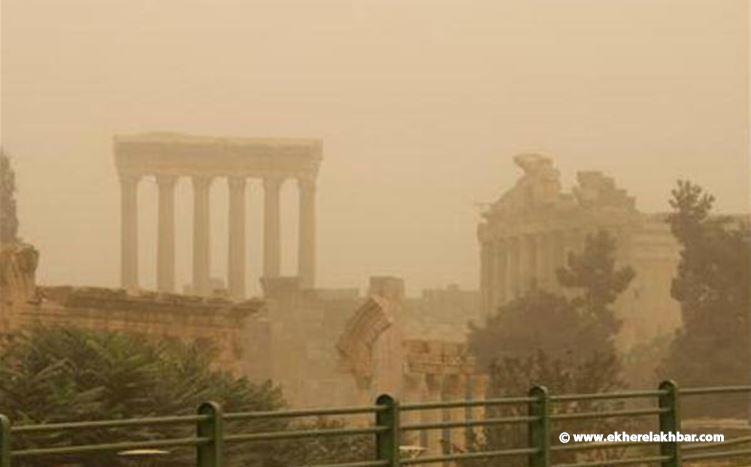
(211, 437)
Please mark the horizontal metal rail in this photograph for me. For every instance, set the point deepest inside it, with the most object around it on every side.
(274, 435)
(385, 429)
(609, 396)
(729, 442)
(585, 446)
(353, 464)
(370, 409)
(471, 455)
(105, 447)
(714, 390)
(468, 423)
(608, 414)
(715, 455)
(626, 461)
(152, 421)
(466, 403)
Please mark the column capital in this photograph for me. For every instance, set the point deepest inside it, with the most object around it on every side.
(201, 181)
(236, 182)
(272, 182)
(129, 177)
(306, 181)
(166, 180)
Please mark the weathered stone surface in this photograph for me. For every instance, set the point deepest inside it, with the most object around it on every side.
(529, 231)
(226, 326)
(169, 156)
(18, 264)
(361, 332)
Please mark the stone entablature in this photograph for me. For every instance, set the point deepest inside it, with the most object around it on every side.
(170, 156)
(187, 155)
(438, 357)
(537, 204)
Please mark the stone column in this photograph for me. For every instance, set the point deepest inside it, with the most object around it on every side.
(129, 231)
(525, 260)
(432, 440)
(492, 272)
(271, 227)
(201, 236)
(542, 261)
(165, 264)
(533, 267)
(515, 279)
(306, 253)
(237, 254)
(558, 245)
(476, 389)
(414, 388)
(485, 284)
(455, 389)
(500, 283)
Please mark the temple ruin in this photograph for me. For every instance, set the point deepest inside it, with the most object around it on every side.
(169, 156)
(527, 234)
(336, 345)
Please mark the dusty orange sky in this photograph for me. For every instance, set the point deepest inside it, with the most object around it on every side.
(421, 105)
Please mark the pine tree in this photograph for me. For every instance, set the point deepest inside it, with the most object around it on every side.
(561, 343)
(712, 287)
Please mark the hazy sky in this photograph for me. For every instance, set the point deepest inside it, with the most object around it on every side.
(421, 105)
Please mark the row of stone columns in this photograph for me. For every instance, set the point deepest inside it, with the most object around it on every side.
(510, 266)
(436, 388)
(236, 265)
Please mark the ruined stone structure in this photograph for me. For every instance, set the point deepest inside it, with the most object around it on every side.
(336, 345)
(527, 234)
(389, 347)
(167, 157)
(18, 265)
(229, 328)
(321, 346)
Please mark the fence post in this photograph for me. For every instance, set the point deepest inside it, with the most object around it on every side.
(211, 454)
(387, 442)
(670, 421)
(539, 430)
(4, 441)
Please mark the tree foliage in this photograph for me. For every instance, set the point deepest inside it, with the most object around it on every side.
(59, 374)
(594, 274)
(8, 217)
(565, 344)
(712, 284)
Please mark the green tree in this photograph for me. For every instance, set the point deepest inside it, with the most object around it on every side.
(712, 286)
(563, 343)
(8, 219)
(60, 374)
(594, 274)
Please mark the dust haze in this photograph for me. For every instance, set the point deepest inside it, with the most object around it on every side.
(421, 106)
